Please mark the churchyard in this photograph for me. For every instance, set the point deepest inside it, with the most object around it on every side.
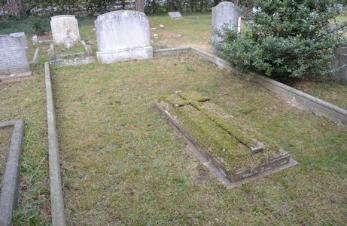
(123, 163)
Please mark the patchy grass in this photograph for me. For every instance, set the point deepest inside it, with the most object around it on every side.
(122, 164)
(5, 137)
(190, 31)
(26, 100)
(326, 90)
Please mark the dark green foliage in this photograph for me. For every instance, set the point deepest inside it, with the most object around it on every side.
(38, 29)
(287, 39)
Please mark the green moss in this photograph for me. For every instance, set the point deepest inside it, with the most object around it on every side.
(229, 141)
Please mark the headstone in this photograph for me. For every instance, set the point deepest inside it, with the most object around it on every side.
(341, 64)
(175, 15)
(13, 59)
(123, 35)
(224, 15)
(22, 38)
(35, 40)
(64, 26)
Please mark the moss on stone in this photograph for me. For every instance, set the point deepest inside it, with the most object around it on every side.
(228, 141)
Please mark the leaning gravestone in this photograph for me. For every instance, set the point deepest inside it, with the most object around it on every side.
(175, 15)
(64, 26)
(122, 35)
(22, 37)
(224, 15)
(13, 59)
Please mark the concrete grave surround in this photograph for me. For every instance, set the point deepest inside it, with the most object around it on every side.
(175, 15)
(123, 35)
(64, 26)
(225, 14)
(22, 37)
(13, 59)
(341, 64)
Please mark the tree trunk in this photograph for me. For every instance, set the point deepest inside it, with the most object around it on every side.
(14, 7)
(140, 5)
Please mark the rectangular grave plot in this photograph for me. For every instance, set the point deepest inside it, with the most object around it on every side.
(10, 175)
(238, 153)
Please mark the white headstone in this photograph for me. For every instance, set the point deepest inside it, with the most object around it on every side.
(175, 15)
(64, 26)
(123, 35)
(13, 59)
(22, 37)
(224, 15)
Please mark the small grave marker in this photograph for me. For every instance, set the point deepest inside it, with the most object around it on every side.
(175, 15)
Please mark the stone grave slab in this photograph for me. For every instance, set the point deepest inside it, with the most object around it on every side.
(13, 59)
(64, 27)
(227, 145)
(175, 15)
(10, 177)
(123, 35)
(224, 15)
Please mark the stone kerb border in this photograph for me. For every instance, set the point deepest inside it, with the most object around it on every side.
(56, 191)
(36, 56)
(292, 96)
(10, 180)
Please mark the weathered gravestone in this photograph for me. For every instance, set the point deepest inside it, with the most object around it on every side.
(63, 27)
(123, 35)
(22, 38)
(13, 59)
(224, 15)
(341, 64)
(175, 15)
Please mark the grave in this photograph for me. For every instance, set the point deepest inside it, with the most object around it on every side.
(63, 27)
(175, 15)
(22, 38)
(227, 145)
(13, 59)
(123, 35)
(224, 15)
(10, 177)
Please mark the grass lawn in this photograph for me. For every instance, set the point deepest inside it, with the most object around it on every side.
(26, 100)
(123, 164)
(5, 137)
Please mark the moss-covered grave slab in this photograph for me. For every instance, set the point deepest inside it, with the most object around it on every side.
(234, 151)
